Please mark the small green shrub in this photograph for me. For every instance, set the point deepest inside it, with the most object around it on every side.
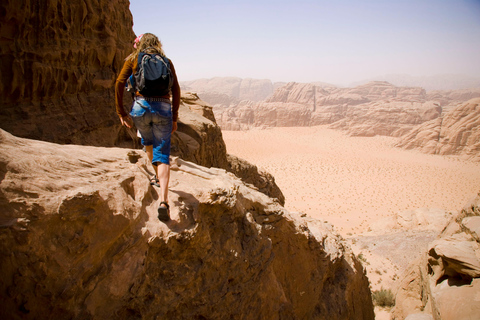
(383, 298)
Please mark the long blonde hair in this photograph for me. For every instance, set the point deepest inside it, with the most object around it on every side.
(148, 41)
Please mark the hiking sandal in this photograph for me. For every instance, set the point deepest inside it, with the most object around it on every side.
(154, 181)
(163, 212)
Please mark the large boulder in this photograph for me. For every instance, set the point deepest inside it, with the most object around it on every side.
(80, 239)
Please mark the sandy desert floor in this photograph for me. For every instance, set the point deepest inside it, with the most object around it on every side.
(353, 181)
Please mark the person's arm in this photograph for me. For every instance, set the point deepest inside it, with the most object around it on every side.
(127, 70)
(175, 95)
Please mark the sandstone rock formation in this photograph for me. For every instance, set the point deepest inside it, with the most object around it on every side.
(457, 132)
(388, 118)
(58, 67)
(445, 282)
(80, 239)
(377, 108)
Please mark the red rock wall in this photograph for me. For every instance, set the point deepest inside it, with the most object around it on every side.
(59, 61)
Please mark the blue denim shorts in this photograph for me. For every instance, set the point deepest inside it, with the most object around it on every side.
(154, 121)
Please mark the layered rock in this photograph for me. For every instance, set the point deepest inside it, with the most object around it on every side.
(445, 282)
(58, 67)
(457, 132)
(377, 108)
(309, 93)
(80, 239)
(387, 118)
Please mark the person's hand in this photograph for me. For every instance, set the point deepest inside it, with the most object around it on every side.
(126, 121)
(174, 126)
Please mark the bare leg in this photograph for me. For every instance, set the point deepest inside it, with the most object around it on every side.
(163, 174)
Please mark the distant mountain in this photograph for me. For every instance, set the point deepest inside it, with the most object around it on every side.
(437, 82)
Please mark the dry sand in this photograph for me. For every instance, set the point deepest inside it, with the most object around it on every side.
(353, 181)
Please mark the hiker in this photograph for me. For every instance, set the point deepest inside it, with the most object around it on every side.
(152, 113)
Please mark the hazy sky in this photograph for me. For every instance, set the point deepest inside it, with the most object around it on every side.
(337, 41)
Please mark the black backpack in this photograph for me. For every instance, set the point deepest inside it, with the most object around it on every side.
(153, 76)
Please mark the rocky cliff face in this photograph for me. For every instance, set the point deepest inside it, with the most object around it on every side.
(386, 118)
(377, 108)
(445, 283)
(457, 132)
(79, 238)
(59, 62)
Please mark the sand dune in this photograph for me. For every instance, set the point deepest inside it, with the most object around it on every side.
(353, 181)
